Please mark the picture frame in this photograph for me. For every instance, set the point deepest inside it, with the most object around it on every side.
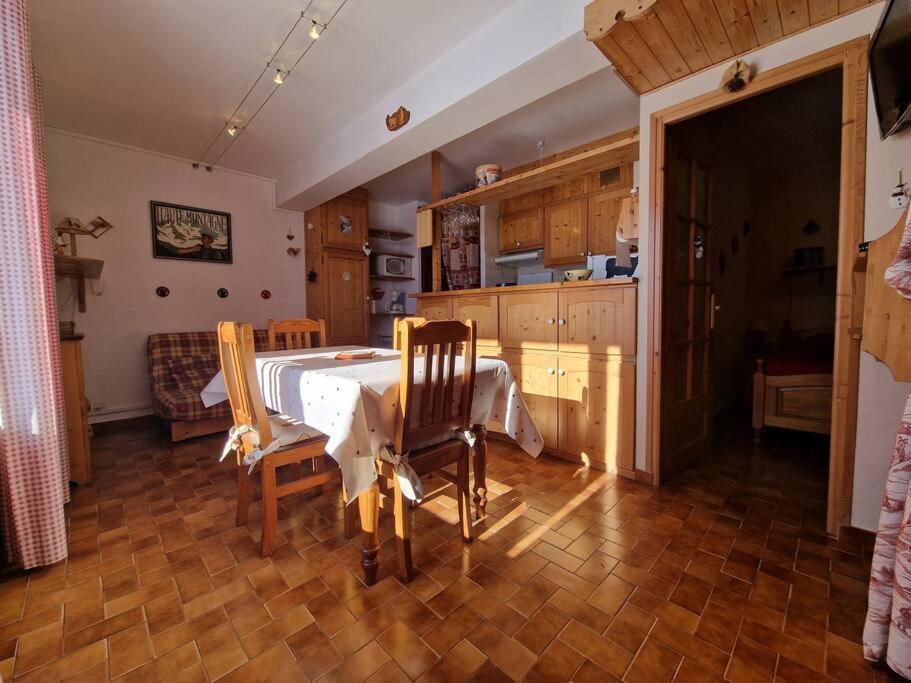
(190, 233)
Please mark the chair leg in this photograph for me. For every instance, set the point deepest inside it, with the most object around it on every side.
(464, 494)
(402, 509)
(243, 495)
(317, 465)
(350, 515)
(270, 506)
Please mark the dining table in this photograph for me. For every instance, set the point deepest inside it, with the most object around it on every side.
(353, 401)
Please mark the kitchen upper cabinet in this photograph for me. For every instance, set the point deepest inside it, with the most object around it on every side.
(435, 309)
(571, 189)
(346, 221)
(528, 320)
(484, 311)
(603, 215)
(529, 200)
(596, 410)
(536, 375)
(521, 230)
(566, 232)
(346, 307)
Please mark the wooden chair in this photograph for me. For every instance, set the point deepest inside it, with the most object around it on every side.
(437, 416)
(299, 442)
(297, 333)
(397, 328)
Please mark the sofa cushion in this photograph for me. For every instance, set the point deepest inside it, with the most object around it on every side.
(194, 372)
(185, 404)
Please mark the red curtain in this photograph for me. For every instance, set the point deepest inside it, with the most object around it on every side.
(34, 469)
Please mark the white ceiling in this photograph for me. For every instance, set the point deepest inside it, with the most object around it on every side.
(165, 75)
(590, 108)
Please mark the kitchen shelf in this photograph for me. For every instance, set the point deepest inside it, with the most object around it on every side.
(622, 150)
(391, 278)
(394, 235)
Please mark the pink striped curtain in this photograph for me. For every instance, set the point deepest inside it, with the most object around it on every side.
(887, 632)
(34, 468)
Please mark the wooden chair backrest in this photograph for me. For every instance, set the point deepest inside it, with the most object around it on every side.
(238, 365)
(396, 330)
(297, 333)
(436, 414)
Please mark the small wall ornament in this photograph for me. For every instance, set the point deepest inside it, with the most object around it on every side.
(398, 119)
(736, 76)
(162, 291)
(222, 293)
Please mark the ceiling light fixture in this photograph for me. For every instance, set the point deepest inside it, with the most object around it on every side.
(316, 29)
(279, 78)
(232, 130)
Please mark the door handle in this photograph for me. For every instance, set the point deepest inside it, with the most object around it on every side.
(713, 308)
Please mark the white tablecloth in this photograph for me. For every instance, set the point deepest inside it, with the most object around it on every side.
(354, 402)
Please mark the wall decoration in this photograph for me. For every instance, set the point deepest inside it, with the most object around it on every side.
(190, 234)
(293, 251)
(162, 291)
(345, 226)
(397, 119)
(222, 293)
(736, 76)
(266, 294)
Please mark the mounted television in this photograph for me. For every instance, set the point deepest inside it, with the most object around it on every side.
(890, 67)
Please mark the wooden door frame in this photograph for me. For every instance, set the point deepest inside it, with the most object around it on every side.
(851, 57)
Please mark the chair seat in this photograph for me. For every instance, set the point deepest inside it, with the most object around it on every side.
(291, 432)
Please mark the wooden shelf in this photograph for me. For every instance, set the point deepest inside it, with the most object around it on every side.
(383, 234)
(391, 278)
(624, 149)
(78, 266)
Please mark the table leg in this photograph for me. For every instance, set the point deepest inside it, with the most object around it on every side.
(369, 505)
(480, 469)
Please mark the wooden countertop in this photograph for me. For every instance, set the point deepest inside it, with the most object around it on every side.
(613, 282)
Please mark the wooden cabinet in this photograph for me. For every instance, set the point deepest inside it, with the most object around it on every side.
(577, 187)
(536, 375)
(346, 313)
(484, 311)
(603, 215)
(76, 407)
(596, 416)
(529, 200)
(565, 232)
(435, 309)
(601, 321)
(528, 319)
(521, 231)
(346, 221)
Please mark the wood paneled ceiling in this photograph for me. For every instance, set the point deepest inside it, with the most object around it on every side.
(652, 43)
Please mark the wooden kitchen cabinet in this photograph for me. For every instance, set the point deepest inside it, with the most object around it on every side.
(596, 414)
(346, 221)
(566, 232)
(346, 310)
(603, 214)
(598, 322)
(76, 409)
(521, 231)
(435, 309)
(484, 311)
(536, 375)
(529, 200)
(528, 320)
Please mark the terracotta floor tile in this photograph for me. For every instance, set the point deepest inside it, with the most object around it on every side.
(557, 663)
(507, 654)
(86, 659)
(489, 673)
(457, 593)
(691, 593)
(360, 666)
(39, 647)
(600, 650)
(315, 651)
(532, 595)
(653, 663)
(407, 649)
(458, 664)
(630, 627)
(102, 629)
(589, 672)
(541, 629)
(129, 649)
(751, 662)
(262, 667)
(611, 595)
(165, 666)
(580, 610)
(329, 613)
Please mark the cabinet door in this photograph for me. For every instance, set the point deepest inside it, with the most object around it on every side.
(565, 232)
(598, 320)
(529, 200)
(603, 214)
(346, 223)
(597, 411)
(571, 189)
(435, 309)
(528, 320)
(537, 379)
(521, 231)
(346, 311)
(483, 310)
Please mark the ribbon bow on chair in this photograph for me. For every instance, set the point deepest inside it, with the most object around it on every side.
(237, 442)
(408, 479)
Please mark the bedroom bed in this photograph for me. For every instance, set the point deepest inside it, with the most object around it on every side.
(792, 387)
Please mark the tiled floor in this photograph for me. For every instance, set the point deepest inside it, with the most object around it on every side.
(574, 575)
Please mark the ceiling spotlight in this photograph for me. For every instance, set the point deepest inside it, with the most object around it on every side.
(315, 29)
(279, 79)
(232, 131)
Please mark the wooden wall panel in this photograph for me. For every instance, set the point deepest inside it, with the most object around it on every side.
(677, 22)
(735, 15)
(766, 21)
(629, 39)
(662, 46)
(710, 29)
(822, 10)
(795, 15)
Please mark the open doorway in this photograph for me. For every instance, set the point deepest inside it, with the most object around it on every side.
(752, 207)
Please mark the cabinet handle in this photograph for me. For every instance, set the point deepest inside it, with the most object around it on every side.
(518, 244)
(581, 253)
(550, 371)
(589, 253)
(550, 321)
(562, 371)
(561, 321)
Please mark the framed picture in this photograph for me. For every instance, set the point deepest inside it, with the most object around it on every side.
(345, 225)
(190, 234)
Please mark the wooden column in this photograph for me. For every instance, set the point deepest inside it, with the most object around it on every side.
(435, 196)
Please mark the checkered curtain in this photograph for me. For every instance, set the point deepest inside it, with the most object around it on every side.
(34, 468)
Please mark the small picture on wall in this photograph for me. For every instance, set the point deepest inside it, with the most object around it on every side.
(344, 225)
(190, 234)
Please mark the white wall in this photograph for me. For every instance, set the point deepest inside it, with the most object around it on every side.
(87, 178)
(881, 398)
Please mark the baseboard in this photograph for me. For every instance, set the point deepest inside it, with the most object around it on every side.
(117, 414)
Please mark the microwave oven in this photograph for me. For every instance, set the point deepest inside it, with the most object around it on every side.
(392, 264)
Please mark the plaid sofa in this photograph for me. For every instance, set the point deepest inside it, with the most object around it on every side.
(180, 365)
